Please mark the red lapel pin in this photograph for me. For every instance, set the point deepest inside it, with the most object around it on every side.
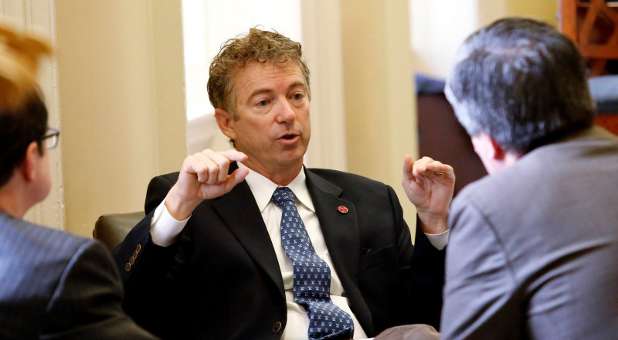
(342, 209)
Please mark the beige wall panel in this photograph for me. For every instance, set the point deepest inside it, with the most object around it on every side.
(546, 10)
(490, 10)
(378, 90)
(322, 50)
(117, 116)
(168, 72)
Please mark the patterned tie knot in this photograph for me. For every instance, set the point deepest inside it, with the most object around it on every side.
(283, 196)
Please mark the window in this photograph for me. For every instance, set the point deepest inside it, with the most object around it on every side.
(208, 24)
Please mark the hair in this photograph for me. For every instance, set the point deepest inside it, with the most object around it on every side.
(257, 46)
(23, 115)
(521, 82)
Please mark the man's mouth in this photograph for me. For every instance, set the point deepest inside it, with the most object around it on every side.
(289, 137)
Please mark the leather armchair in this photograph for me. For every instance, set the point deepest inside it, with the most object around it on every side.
(111, 229)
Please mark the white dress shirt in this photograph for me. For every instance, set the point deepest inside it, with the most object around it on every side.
(164, 229)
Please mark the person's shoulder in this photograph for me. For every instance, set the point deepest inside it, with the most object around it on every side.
(27, 247)
(23, 235)
(167, 179)
(33, 259)
(493, 192)
(547, 166)
(344, 179)
(158, 188)
(353, 187)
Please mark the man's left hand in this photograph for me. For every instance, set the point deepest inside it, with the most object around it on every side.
(429, 185)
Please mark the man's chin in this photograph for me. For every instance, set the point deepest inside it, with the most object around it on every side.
(291, 157)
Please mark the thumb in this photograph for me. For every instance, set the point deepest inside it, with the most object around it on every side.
(235, 178)
(234, 155)
(408, 164)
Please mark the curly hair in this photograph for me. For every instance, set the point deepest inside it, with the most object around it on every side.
(257, 46)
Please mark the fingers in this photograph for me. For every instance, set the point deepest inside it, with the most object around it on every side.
(235, 178)
(211, 191)
(220, 172)
(211, 167)
(429, 168)
(204, 167)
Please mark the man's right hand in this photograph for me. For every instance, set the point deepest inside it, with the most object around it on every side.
(203, 175)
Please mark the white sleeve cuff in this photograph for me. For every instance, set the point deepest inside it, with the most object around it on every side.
(438, 240)
(164, 228)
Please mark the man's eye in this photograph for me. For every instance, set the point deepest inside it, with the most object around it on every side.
(262, 103)
(298, 96)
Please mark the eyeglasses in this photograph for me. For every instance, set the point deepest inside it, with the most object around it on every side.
(50, 139)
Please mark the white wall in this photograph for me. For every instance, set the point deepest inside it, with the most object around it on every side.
(437, 28)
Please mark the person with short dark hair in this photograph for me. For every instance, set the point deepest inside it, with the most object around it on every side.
(52, 285)
(251, 244)
(533, 250)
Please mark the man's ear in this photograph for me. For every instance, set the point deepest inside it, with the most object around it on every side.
(498, 151)
(487, 147)
(226, 122)
(28, 167)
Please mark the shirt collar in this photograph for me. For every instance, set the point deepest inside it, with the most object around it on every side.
(263, 188)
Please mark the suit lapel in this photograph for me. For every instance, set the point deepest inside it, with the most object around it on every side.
(241, 214)
(340, 229)
(341, 234)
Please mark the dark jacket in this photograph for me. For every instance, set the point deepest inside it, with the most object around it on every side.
(221, 279)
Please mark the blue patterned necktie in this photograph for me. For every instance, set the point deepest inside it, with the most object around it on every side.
(311, 275)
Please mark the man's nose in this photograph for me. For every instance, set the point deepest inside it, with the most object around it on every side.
(285, 111)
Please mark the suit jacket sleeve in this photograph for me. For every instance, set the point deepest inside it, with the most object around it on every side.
(427, 281)
(422, 267)
(480, 298)
(86, 303)
(153, 275)
(137, 255)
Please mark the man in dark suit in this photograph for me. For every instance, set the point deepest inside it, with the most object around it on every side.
(52, 285)
(533, 252)
(271, 249)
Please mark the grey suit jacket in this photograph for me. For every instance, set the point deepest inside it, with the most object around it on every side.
(533, 250)
(57, 286)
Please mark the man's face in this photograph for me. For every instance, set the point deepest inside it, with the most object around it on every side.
(271, 122)
(36, 172)
(44, 185)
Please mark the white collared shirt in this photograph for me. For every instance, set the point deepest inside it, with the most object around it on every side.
(164, 229)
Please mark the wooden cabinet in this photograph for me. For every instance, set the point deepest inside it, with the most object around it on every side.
(593, 26)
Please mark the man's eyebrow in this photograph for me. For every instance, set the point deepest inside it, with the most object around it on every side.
(259, 91)
(267, 90)
(297, 84)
